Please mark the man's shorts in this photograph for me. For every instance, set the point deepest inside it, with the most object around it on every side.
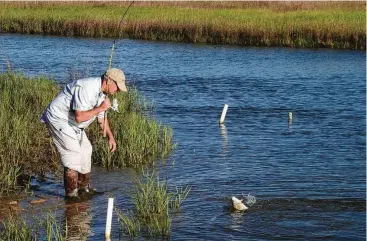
(74, 147)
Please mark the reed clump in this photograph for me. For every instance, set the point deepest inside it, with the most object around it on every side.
(291, 24)
(17, 228)
(154, 206)
(27, 150)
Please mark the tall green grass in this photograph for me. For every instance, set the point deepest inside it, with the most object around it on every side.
(139, 138)
(26, 148)
(154, 206)
(332, 25)
(17, 228)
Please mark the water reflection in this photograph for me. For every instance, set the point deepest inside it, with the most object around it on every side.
(237, 220)
(223, 132)
(78, 221)
(290, 119)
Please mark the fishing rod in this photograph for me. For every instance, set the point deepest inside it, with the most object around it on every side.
(110, 63)
(118, 33)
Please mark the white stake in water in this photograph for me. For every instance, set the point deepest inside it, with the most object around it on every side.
(109, 218)
(223, 116)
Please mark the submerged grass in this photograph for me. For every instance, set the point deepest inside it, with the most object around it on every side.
(17, 228)
(178, 197)
(54, 229)
(293, 24)
(129, 224)
(154, 206)
(25, 146)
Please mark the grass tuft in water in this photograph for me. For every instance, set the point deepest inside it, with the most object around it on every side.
(128, 224)
(54, 230)
(154, 206)
(178, 197)
(151, 197)
(159, 226)
(16, 228)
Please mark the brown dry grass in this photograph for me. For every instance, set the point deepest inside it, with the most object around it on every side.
(280, 6)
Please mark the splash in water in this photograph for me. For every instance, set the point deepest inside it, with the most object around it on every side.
(250, 200)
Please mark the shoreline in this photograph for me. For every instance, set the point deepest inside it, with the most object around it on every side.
(342, 28)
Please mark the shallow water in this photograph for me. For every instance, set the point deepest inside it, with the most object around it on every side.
(308, 176)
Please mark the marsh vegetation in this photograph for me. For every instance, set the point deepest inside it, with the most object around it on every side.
(292, 24)
(154, 206)
(18, 227)
(27, 150)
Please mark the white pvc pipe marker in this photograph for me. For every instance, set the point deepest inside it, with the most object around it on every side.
(223, 116)
(109, 218)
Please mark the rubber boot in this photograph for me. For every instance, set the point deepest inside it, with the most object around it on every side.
(71, 184)
(84, 187)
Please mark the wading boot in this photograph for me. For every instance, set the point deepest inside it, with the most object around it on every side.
(71, 185)
(84, 189)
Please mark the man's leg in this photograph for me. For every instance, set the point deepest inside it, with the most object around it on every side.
(70, 182)
(86, 159)
(83, 180)
(70, 152)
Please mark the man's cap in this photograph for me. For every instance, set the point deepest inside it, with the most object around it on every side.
(118, 77)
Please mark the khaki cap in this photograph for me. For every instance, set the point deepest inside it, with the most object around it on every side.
(118, 77)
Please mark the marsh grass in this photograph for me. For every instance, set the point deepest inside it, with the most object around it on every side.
(128, 224)
(25, 147)
(151, 197)
(159, 226)
(54, 229)
(17, 228)
(27, 150)
(9, 175)
(140, 139)
(292, 24)
(178, 197)
(154, 206)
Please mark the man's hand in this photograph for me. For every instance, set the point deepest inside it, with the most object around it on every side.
(105, 105)
(112, 144)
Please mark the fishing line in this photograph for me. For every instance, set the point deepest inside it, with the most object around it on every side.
(117, 34)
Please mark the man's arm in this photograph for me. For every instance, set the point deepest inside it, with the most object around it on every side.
(112, 141)
(81, 116)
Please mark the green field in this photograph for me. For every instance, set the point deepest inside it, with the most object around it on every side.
(308, 24)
